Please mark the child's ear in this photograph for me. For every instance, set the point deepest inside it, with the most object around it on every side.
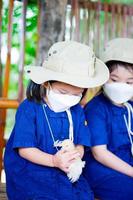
(46, 85)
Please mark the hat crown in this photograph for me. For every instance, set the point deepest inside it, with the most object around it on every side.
(119, 49)
(70, 57)
(73, 63)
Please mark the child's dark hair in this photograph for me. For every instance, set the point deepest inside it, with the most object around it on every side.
(112, 65)
(36, 92)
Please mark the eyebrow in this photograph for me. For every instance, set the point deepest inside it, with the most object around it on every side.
(67, 91)
(62, 90)
(130, 78)
(114, 75)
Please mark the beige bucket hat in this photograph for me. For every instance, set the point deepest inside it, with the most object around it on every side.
(120, 49)
(70, 62)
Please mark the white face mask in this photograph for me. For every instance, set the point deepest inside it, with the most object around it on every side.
(61, 102)
(118, 92)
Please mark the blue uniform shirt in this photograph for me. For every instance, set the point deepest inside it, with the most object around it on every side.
(107, 127)
(26, 180)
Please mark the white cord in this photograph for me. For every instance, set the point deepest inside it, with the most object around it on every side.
(130, 114)
(71, 137)
(128, 123)
(50, 129)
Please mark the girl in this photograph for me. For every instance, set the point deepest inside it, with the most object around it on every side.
(35, 166)
(109, 168)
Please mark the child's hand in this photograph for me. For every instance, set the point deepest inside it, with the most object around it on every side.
(63, 159)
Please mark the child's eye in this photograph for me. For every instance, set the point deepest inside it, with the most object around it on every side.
(114, 80)
(130, 83)
(63, 92)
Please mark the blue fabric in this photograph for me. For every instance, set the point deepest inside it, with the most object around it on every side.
(28, 181)
(115, 187)
(107, 127)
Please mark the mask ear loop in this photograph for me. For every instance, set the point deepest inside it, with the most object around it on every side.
(49, 87)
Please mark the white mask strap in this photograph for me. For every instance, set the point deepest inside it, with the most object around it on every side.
(128, 123)
(70, 124)
(56, 142)
(49, 126)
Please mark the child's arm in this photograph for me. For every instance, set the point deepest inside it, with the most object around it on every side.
(107, 158)
(61, 159)
(80, 149)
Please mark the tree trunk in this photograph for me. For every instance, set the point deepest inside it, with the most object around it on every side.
(52, 25)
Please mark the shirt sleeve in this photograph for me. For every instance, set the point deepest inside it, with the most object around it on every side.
(25, 127)
(82, 130)
(97, 122)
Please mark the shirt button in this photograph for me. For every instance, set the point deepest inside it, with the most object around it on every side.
(62, 137)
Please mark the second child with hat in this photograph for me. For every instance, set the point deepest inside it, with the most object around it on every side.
(109, 167)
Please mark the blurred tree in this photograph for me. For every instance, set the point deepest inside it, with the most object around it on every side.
(52, 26)
(52, 29)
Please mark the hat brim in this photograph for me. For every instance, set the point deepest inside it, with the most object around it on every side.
(40, 75)
(118, 58)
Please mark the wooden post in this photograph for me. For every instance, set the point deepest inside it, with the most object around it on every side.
(6, 81)
(98, 8)
(113, 13)
(22, 51)
(38, 27)
(130, 22)
(8, 103)
(118, 21)
(0, 48)
(75, 16)
(105, 23)
(124, 22)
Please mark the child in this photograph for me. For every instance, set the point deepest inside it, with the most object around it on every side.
(109, 168)
(35, 166)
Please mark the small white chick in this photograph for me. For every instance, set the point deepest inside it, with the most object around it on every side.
(75, 168)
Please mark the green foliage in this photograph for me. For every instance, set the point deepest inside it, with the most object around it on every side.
(31, 39)
(31, 33)
(123, 1)
(30, 46)
(118, 1)
(31, 21)
(106, 1)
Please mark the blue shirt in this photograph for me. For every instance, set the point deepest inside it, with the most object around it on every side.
(107, 127)
(27, 180)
